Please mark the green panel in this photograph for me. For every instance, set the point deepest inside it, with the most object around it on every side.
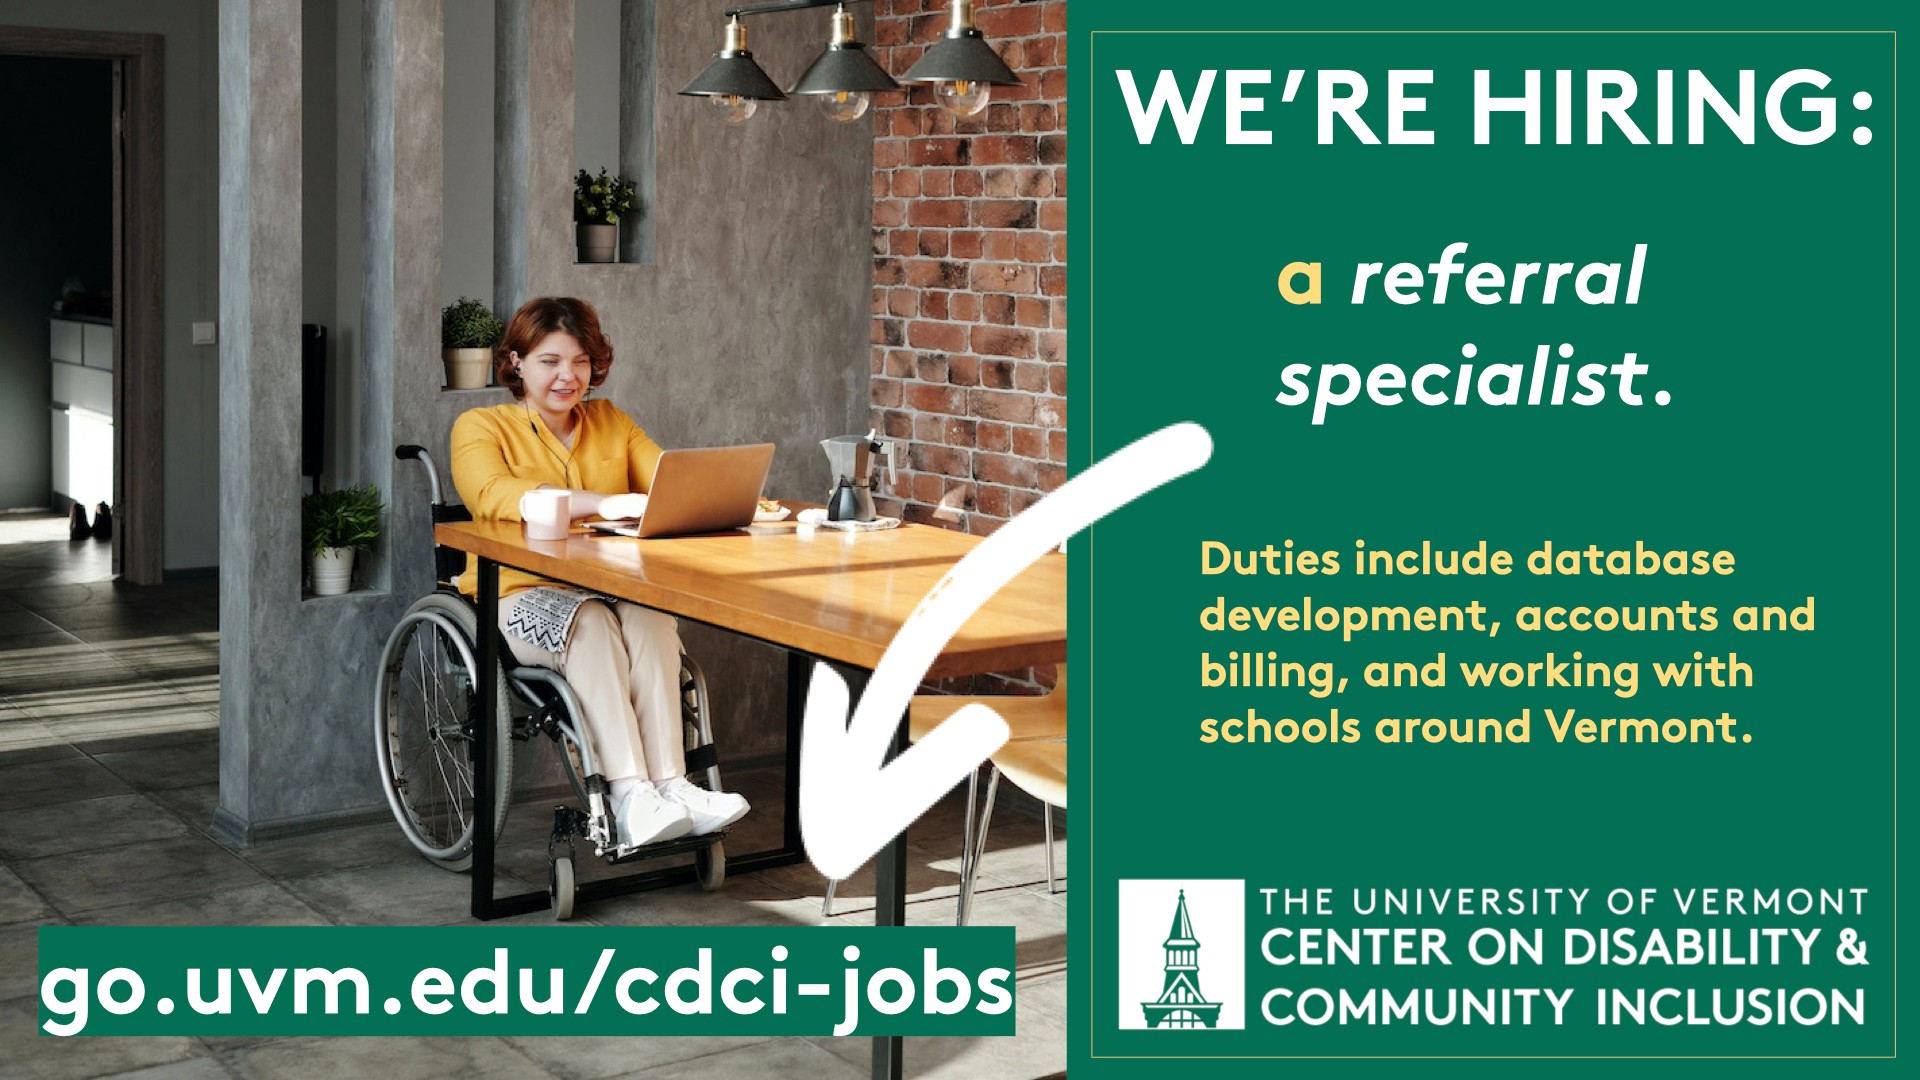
(1765, 311)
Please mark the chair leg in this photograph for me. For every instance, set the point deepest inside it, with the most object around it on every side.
(826, 906)
(1047, 818)
(966, 846)
(986, 814)
(972, 871)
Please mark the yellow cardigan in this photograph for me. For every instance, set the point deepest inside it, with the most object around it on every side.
(504, 451)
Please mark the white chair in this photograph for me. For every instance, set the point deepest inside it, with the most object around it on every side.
(1038, 768)
(1029, 718)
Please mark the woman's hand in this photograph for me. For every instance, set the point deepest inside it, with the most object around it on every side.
(586, 504)
(629, 505)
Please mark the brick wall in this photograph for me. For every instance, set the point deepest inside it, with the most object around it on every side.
(969, 271)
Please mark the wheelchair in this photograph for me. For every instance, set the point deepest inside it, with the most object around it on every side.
(426, 716)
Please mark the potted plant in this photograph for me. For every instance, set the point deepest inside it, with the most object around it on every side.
(598, 204)
(469, 332)
(333, 524)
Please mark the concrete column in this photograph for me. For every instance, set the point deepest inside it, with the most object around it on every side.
(377, 301)
(259, 381)
(414, 372)
(400, 298)
(513, 142)
(639, 89)
(297, 674)
(549, 89)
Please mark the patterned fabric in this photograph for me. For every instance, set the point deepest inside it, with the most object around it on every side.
(542, 617)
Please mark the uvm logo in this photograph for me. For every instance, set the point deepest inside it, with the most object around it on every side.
(1181, 1005)
(1165, 929)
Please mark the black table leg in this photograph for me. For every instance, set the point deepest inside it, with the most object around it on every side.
(890, 909)
(890, 865)
(799, 679)
(483, 763)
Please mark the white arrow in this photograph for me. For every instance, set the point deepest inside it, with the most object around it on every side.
(850, 806)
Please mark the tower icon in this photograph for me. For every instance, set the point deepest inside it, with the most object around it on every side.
(1181, 1004)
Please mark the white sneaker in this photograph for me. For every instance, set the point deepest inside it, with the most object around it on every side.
(711, 810)
(646, 818)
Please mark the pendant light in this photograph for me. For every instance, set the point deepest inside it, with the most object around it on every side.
(733, 81)
(844, 78)
(961, 66)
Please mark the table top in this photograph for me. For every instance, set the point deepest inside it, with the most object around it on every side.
(840, 595)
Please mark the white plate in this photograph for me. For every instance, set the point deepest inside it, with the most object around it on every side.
(773, 515)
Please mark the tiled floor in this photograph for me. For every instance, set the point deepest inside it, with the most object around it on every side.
(109, 710)
(34, 551)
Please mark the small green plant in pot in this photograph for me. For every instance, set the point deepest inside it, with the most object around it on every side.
(333, 525)
(599, 202)
(469, 332)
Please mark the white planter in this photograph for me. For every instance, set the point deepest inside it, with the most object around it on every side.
(332, 571)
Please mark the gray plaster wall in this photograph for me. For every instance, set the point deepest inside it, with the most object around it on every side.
(344, 388)
(750, 323)
(320, 180)
(56, 214)
(596, 83)
(333, 152)
(191, 260)
(467, 139)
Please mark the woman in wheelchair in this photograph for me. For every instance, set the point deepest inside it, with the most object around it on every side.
(622, 660)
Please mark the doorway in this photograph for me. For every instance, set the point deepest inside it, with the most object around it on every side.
(127, 338)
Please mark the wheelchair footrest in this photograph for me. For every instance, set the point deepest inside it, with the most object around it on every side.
(677, 846)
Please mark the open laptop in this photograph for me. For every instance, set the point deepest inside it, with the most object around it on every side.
(700, 491)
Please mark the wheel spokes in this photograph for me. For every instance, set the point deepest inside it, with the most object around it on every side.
(426, 729)
(434, 797)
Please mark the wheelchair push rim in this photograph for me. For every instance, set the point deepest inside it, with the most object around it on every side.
(425, 713)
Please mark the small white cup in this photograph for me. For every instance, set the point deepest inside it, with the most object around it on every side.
(547, 513)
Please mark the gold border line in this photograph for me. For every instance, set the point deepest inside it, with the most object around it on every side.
(1093, 952)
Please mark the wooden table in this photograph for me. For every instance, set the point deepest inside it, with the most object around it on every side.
(821, 594)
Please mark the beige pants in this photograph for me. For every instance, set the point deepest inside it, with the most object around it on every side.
(623, 662)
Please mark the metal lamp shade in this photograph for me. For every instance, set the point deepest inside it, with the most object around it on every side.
(734, 74)
(966, 58)
(845, 67)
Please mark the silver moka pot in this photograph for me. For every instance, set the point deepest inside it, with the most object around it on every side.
(855, 461)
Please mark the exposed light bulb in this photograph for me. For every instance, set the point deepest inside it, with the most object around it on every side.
(962, 98)
(736, 109)
(844, 106)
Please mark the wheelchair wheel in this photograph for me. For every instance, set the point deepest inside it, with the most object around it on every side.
(423, 706)
(710, 865)
(560, 886)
